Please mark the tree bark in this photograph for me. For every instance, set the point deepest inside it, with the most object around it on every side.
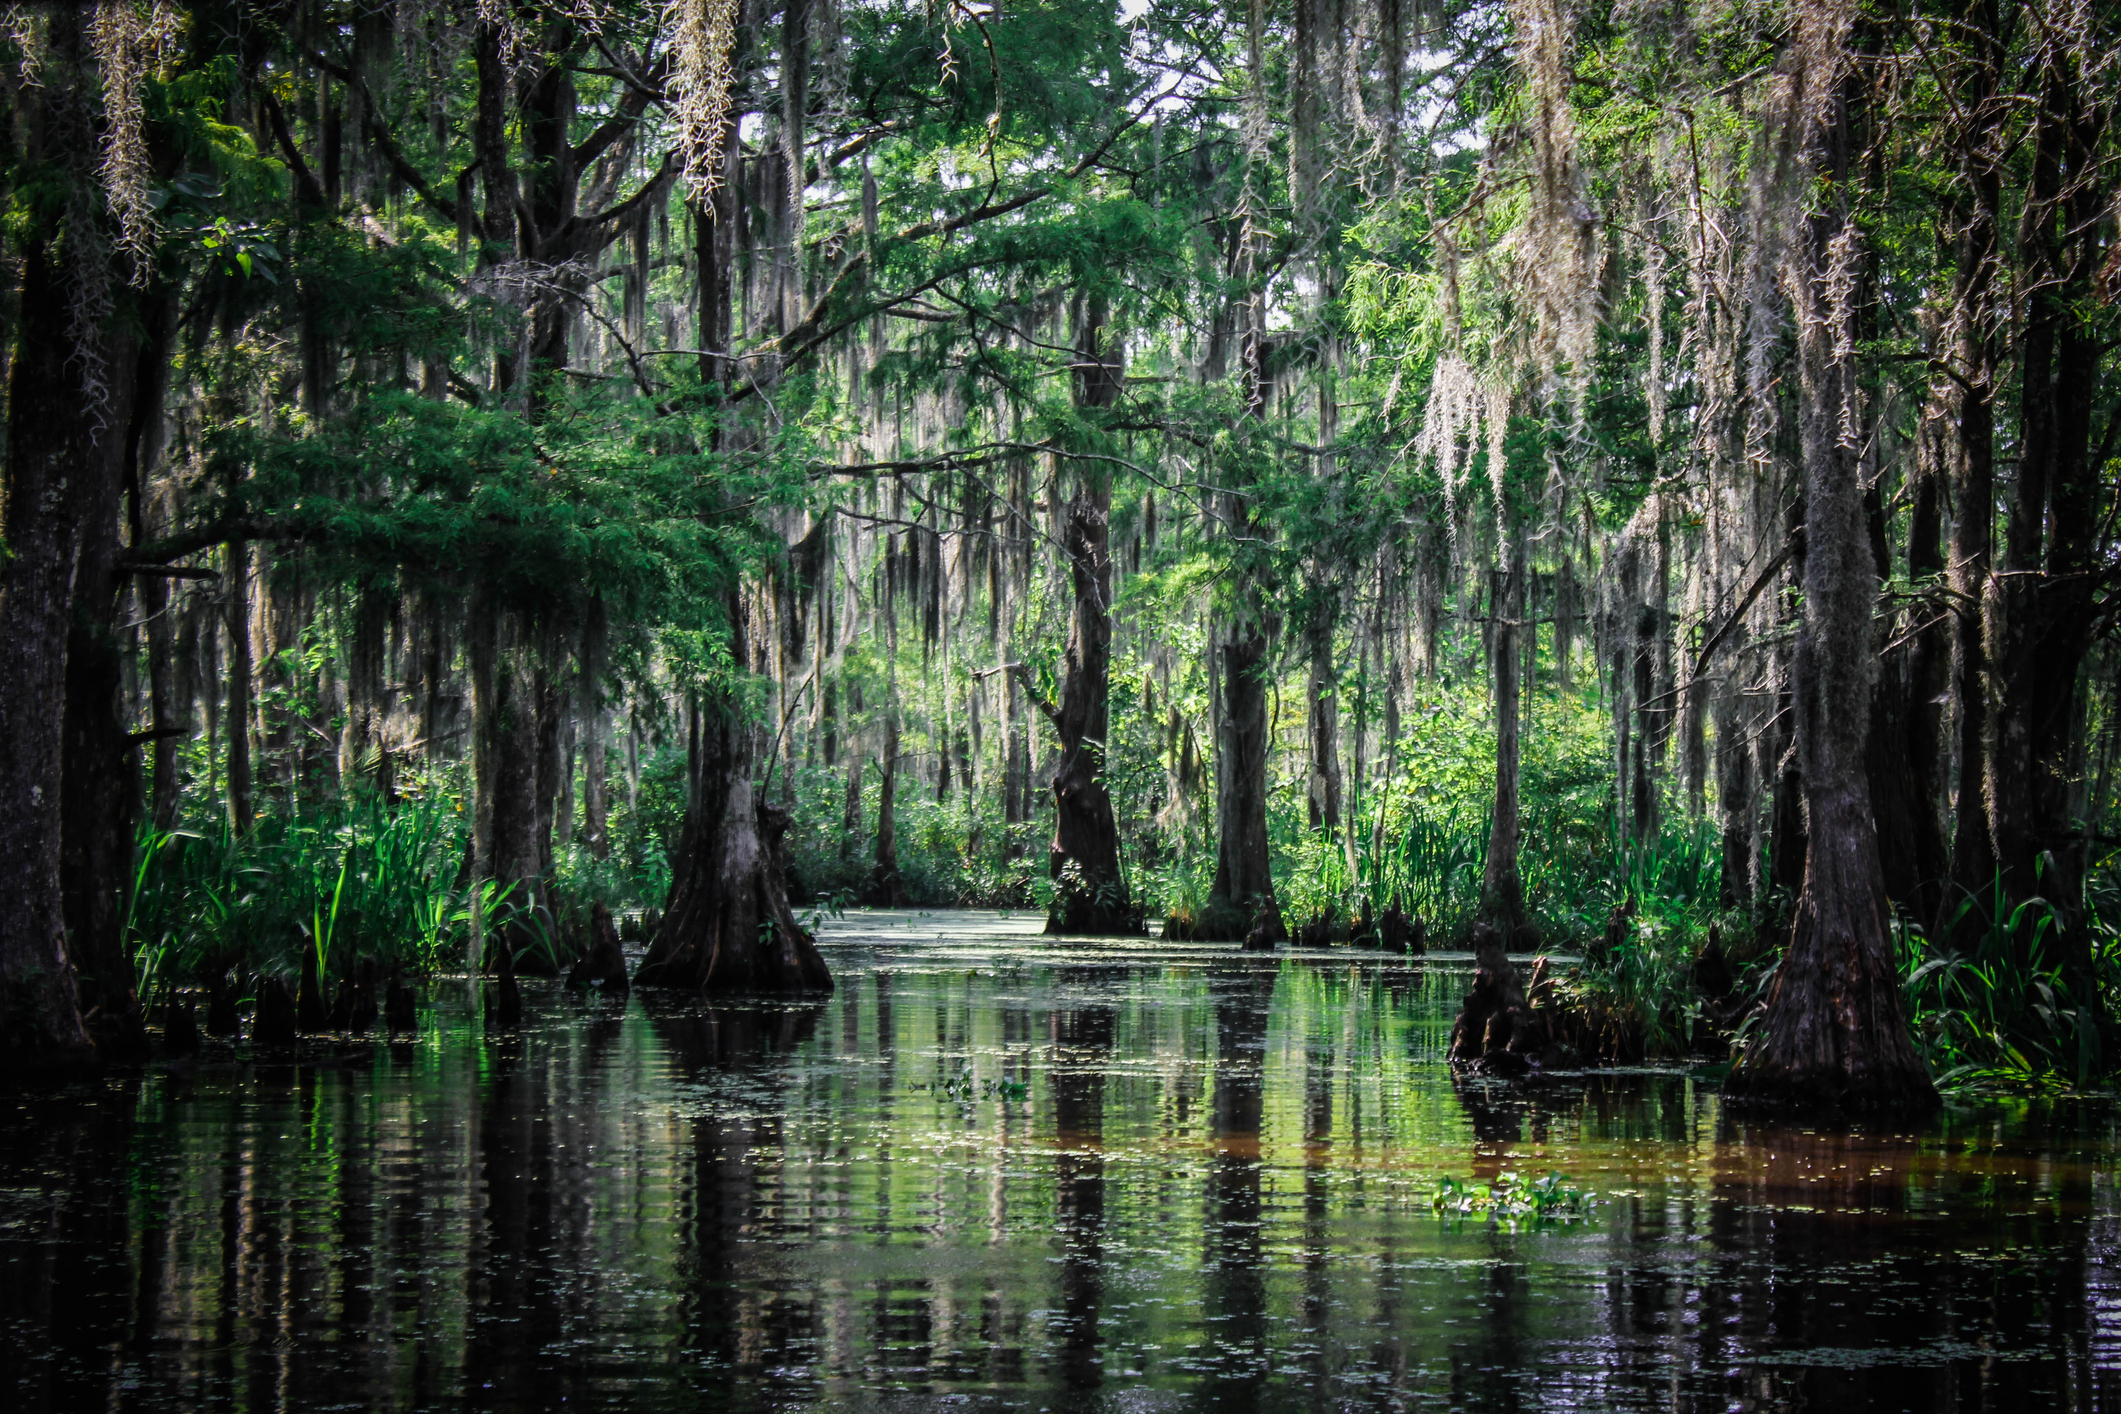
(1834, 1034)
(596, 788)
(1090, 889)
(1502, 888)
(1735, 791)
(505, 725)
(55, 461)
(1929, 664)
(727, 926)
(242, 808)
(1973, 536)
(2049, 590)
(886, 889)
(1241, 903)
(1322, 712)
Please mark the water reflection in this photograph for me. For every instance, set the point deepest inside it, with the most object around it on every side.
(999, 1171)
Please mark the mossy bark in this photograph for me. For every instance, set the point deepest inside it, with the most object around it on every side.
(1834, 1035)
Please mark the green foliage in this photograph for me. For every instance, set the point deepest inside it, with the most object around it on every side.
(1514, 1199)
(359, 880)
(965, 1089)
(2004, 1011)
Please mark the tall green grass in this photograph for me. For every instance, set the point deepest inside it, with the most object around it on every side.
(359, 880)
(2002, 1010)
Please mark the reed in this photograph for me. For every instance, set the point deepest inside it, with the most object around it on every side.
(359, 880)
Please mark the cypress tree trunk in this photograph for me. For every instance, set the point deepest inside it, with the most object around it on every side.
(101, 778)
(1502, 888)
(242, 811)
(2047, 606)
(727, 926)
(505, 763)
(851, 811)
(1241, 903)
(168, 720)
(596, 789)
(54, 462)
(1322, 710)
(885, 888)
(1090, 890)
(1929, 666)
(102, 764)
(1834, 1034)
(1885, 746)
(1649, 719)
(1973, 536)
(1735, 791)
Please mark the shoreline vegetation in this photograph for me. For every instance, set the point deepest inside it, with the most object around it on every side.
(494, 486)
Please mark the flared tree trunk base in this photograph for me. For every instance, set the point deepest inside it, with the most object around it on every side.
(728, 927)
(1834, 1038)
(1085, 918)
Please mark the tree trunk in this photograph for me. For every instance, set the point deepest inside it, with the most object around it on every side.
(2052, 560)
(1322, 712)
(242, 809)
(101, 791)
(1241, 904)
(1090, 889)
(157, 606)
(505, 723)
(55, 463)
(1735, 791)
(1929, 666)
(727, 926)
(596, 788)
(851, 812)
(1885, 745)
(886, 889)
(1502, 888)
(101, 769)
(1834, 1034)
(1973, 535)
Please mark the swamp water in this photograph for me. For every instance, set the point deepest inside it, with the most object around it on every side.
(1001, 1171)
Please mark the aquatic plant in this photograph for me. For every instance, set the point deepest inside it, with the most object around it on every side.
(2002, 1011)
(965, 1088)
(1514, 1198)
(365, 880)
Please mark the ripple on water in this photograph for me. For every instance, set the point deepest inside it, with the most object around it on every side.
(1001, 1170)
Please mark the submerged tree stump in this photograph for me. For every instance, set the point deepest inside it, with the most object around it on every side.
(603, 965)
(399, 1016)
(274, 1024)
(1396, 932)
(1498, 1031)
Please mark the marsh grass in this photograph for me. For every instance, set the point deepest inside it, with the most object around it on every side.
(2003, 1012)
(363, 880)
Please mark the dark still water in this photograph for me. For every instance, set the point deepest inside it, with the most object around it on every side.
(1000, 1172)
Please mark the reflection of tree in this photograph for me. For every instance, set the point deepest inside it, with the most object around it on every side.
(1082, 1047)
(65, 1301)
(733, 1321)
(1318, 1224)
(515, 1290)
(1234, 1301)
(1497, 1117)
